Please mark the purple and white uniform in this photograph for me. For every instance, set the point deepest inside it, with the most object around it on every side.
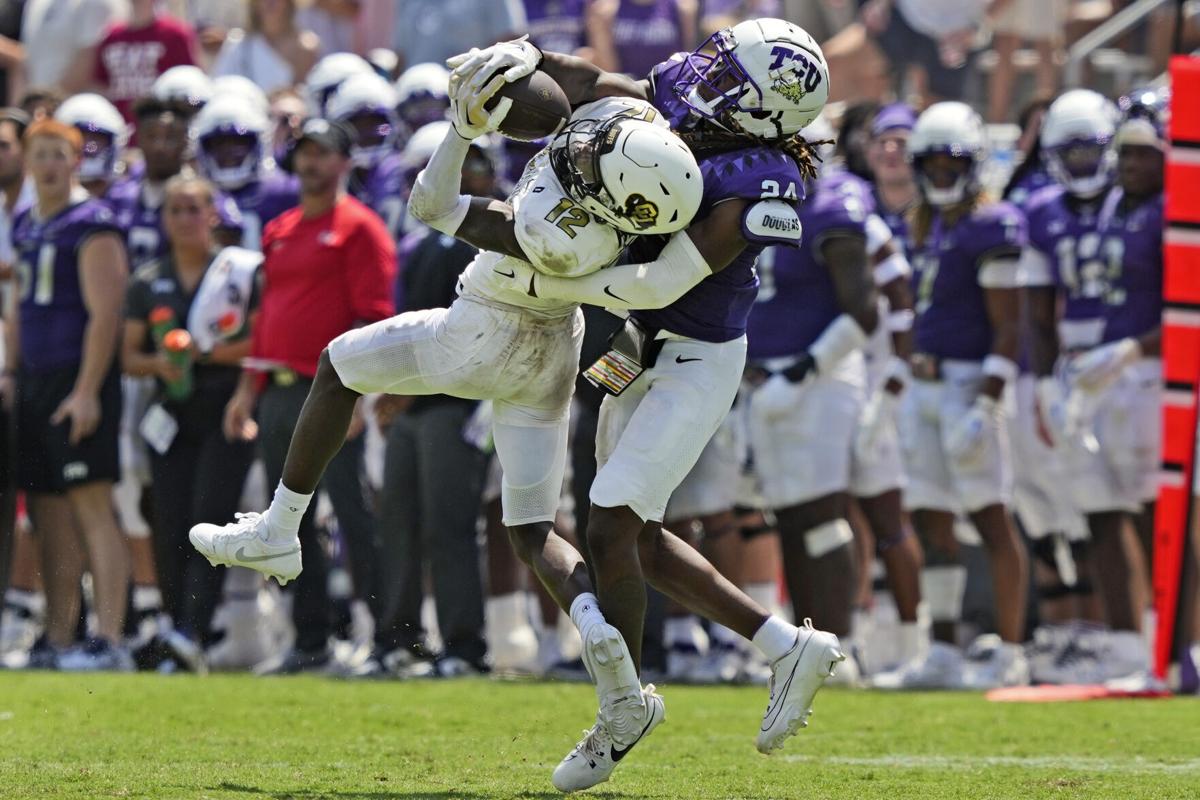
(1029, 185)
(950, 271)
(555, 26)
(382, 189)
(138, 209)
(262, 201)
(1133, 238)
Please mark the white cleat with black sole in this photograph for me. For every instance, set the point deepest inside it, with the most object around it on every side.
(795, 679)
(618, 688)
(593, 760)
(243, 543)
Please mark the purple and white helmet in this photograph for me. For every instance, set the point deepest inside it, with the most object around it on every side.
(230, 135)
(368, 103)
(952, 129)
(422, 95)
(105, 134)
(328, 74)
(766, 76)
(183, 84)
(1076, 138)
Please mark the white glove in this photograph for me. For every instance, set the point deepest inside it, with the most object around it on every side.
(877, 418)
(1052, 411)
(1100, 366)
(467, 112)
(969, 437)
(777, 397)
(516, 58)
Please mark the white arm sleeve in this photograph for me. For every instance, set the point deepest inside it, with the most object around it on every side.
(633, 286)
(843, 336)
(435, 199)
(1000, 273)
(878, 233)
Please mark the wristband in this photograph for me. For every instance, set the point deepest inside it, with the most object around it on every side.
(901, 321)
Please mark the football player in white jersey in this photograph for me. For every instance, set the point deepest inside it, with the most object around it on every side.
(496, 342)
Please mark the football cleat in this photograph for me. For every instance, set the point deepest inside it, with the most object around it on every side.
(795, 679)
(607, 659)
(940, 668)
(595, 757)
(243, 543)
(96, 655)
(991, 664)
(722, 664)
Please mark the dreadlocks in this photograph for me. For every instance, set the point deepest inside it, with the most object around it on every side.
(707, 140)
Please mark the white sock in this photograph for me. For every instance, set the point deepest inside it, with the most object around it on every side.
(774, 638)
(33, 602)
(913, 642)
(146, 598)
(585, 612)
(284, 515)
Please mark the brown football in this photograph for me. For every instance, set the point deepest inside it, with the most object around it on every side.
(539, 107)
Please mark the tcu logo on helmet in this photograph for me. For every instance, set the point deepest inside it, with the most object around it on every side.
(788, 83)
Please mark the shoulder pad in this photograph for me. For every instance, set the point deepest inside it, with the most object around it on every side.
(771, 222)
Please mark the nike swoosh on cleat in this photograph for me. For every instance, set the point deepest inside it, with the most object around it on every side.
(682, 360)
(512, 274)
(618, 754)
(787, 686)
(240, 555)
(610, 293)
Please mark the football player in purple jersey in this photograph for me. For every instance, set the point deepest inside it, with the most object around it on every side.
(368, 102)
(965, 254)
(1063, 272)
(739, 102)
(231, 141)
(1116, 387)
(72, 271)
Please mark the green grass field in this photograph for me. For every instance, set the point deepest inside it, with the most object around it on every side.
(148, 736)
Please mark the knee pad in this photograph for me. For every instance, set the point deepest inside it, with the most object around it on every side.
(942, 587)
(827, 537)
(533, 460)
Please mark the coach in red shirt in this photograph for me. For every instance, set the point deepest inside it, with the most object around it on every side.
(132, 54)
(329, 267)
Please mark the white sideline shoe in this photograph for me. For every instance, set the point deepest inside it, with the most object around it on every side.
(940, 668)
(795, 679)
(595, 757)
(243, 543)
(607, 658)
(992, 664)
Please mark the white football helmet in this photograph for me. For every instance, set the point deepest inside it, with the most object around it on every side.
(367, 102)
(636, 176)
(328, 74)
(422, 95)
(183, 84)
(1076, 139)
(952, 129)
(244, 88)
(104, 130)
(765, 76)
(230, 136)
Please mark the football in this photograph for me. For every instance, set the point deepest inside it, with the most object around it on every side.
(539, 107)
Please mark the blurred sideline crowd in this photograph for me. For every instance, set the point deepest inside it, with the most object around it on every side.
(186, 114)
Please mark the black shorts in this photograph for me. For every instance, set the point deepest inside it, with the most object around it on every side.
(46, 460)
(903, 45)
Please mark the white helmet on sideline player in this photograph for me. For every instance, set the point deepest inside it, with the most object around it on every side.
(766, 77)
(105, 134)
(230, 140)
(422, 95)
(368, 103)
(183, 84)
(328, 74)
(1076, 138)
(637, 176)
(244, 88)
(952, 129)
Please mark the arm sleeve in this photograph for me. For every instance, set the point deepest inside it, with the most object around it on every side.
(657, 284)
(370, 265)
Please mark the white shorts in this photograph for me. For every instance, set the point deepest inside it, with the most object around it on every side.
(1127, 419)
(649, 438)
(1041, 483)
(479, 350)
(883, 469)
(929, 411)
(712, 485)
(803, 434)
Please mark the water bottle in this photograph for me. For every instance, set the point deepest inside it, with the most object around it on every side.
(177, 344)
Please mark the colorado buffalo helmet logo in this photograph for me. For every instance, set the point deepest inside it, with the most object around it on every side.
(643, 212)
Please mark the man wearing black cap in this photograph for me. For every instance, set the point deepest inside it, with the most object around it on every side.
(329, 267)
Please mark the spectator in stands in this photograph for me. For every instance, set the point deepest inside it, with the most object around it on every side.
(197, 473)
(433, 478)
(273, 51)
(59, 37)
(631, 36)
(132, 54)
(288, 111)
(16, 191)
(40, 102)
(62, 344)
(434, 30)
(333, 21)
(1039, 22)
(12, 54)
(329, 266)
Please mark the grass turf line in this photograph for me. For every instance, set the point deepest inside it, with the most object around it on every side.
(148, 736)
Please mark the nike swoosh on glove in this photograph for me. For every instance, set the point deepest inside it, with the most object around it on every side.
(968, 438)
(1100, 366)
